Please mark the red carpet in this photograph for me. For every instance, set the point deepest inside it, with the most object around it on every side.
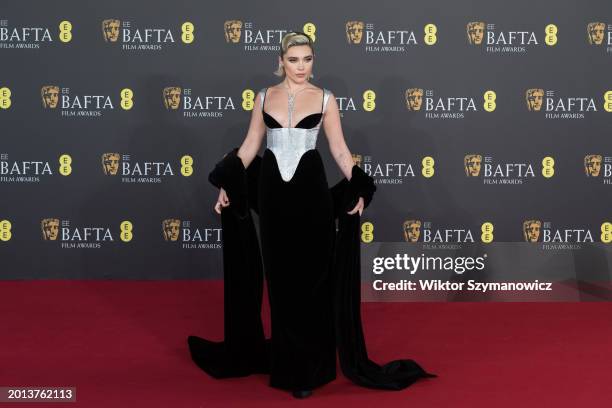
(123, 344)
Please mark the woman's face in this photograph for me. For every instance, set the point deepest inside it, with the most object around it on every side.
(298, 62)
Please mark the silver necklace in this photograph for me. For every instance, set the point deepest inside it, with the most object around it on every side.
(291, 100)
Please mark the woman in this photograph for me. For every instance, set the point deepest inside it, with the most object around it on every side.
(307, 264)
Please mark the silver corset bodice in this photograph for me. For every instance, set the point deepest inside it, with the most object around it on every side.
(289, 143)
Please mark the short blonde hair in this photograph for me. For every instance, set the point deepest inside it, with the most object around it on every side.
(289, 40)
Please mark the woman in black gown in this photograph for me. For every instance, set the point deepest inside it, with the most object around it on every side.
(298, 240)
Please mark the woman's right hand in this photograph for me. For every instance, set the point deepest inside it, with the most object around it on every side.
(222, 201)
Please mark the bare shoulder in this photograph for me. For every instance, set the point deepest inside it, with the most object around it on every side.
(331, 98)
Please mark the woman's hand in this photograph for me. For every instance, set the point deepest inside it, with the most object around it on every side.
(358, 207)
(222, 201)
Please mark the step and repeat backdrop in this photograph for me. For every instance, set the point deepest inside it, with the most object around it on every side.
(487, 126)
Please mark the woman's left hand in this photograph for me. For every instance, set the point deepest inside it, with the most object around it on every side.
(358, 207)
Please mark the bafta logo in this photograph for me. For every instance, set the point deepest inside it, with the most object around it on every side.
(414, 98)
(472, 163)
(475, 32)
(50, 96)
(354, 31)
(50, 228)
(531, 230)
(110, 30)
(412, 230)
(110, 163)
(233, 30)
(534, 98)
(596, 33)
(592, 165)
(172, 97)
(357, 159)
(171, 227)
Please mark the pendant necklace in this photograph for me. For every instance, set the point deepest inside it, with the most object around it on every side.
(291, 100)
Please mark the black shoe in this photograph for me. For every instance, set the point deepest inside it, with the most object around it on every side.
(302, 393)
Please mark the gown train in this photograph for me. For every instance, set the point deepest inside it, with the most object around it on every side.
(245, 350)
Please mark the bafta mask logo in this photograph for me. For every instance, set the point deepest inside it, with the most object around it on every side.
(110, 163)
(534, 98)
(472, 163)
(50, 96)
(50, 228)
(172, 97)
(412, 230)
(354, 31)
(110, 30)
(592, 165)
(531, 230)
(357, 159)
(171, 228)
(233, 30)
(475, 32)
(414, 98)
(596, 33)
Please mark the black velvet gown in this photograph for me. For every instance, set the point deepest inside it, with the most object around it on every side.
(297, 237)
(312, 270)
